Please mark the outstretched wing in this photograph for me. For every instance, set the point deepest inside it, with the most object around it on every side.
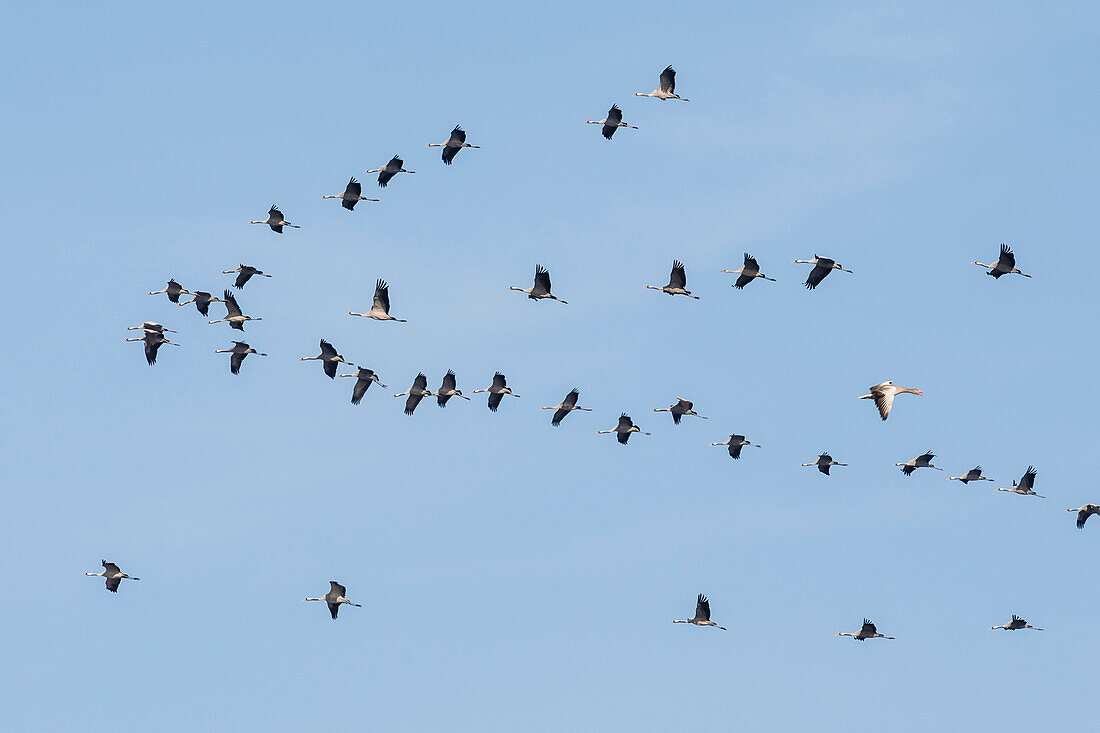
(868, 628)
(571, 398)
(382, 296)
(494, 400)
(702, 608)
(559, 415)
(235, 362)
(231, 307)
(614, 116)
(113, 583)
(362, 384)
(1028, 481)
(668, 80)
(327, 350)
(625, 423)
(677, 278)
(542, 281)
(1007, 260)
(499, 382)
(816, 275)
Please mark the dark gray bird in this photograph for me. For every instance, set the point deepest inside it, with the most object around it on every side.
(202, 301)
(380, 311)
(749, 272)
(418, 391)
(151, 326)
(497, 390)
(702, 614)
(244, 274)
(623, 430)
(736, 443)
(974, 474)
(823, 463)
(612, 122)
(1084, 512)
(153, 341)
(868, 631)
(329, 359)
(454, 143)
(447, 390)
(822, 267)
(1016, 624)
(233, 313)
(541, 288)
(922, 461)
(113, 575)
(275, 220)
(667, 88)
(1026, 486)
(565, 407)
(389, 170)
(335, 597)
(351, 196)
(677, 280)
(239, 351)
(1006, 264)
(678, 410)
(363, 378)
(174, 290)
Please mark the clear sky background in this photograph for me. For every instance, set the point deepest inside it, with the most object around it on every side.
(516, 576)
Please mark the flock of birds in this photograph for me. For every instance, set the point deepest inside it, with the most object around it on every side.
(882, 394)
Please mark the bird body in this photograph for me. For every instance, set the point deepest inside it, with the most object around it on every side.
(735, 444)
(824, 462)
(416, 392)
(174, 291)
(335, 597)
(884, 393)
(233, 314)
(244, 274)
(748, 272)
(822, 267)
(454, 143)
(497, 390)
(328, 358)
(389, 170)
(611, 123)
(363, 379)
(1005, 265)
(351, 196)
(623, 430)
(667, 88)
(867, 631)
(1026, 487)
(202, 301)
(239, 351)
(974, 474)
(1084, 512)
(380, 310)
(677, 282)
(1015, 624)
(922, 461)
(275, 220)
(113, 575)
(540, 290)
(448, 389)
(678, 410)
(702, 614)
(563, 408)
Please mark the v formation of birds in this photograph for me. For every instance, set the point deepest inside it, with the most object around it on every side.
(882, 394)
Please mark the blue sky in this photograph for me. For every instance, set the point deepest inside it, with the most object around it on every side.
(514, 575)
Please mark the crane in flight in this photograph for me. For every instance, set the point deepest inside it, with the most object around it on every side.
(335, 597)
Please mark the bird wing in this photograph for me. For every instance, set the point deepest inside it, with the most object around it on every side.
(625, 423)
(330, 368)
(542, 281)
(702, 608)
(742, 281)
(151, 351)
(448, 381)
(362, 384)
(327, 349)
(868, 628)
(113, 583)
(231, 307)
(494, 400)
(1028, 481)
(235, 362)
(275, 214)
(751, 263)
(333, 608)
(668, 80)
(559, 415)
(412, 401)
(421, 382)
(458, 135)
(382, 296)
(926, 458)
(1082, 517)
(1007, 260)
(819, 273)
(337, 588)
(677, 278)
(499, 382)
(354, 189)
(614, 116)
(571, 398)
(735, 447)
(884, 399)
